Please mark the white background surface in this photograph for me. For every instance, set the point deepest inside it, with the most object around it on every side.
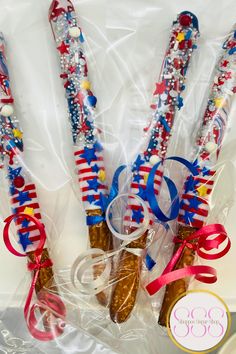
(126, 43)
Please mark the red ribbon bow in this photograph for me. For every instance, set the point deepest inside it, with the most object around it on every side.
(205, 274)
(46, 301)
(38, 265)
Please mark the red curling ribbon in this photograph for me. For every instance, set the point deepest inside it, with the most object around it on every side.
(46, 301)
(202, 273)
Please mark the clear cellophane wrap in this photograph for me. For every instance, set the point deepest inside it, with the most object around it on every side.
(125, 45)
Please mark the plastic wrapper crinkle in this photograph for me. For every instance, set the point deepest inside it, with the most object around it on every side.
(117, 143)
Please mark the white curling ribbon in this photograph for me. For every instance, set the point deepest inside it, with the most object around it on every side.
(83, 263)
(143, 227)
(103, 281)
(94, 256)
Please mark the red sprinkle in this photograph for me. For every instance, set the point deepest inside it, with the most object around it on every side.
(190, 43)
(185, 20)
(182, 45)
(19, 182)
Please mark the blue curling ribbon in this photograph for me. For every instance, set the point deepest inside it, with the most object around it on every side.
(174, 197)
(105, 201)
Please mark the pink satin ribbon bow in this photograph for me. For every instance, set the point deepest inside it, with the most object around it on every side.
(46, 301)
(202, 273)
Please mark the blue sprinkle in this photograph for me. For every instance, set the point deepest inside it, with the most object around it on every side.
(81, 38)
(188, 35)
(98, 146)
(232, 51)
(11, 145)
(180, 102)
(92, 100)
(164, 123)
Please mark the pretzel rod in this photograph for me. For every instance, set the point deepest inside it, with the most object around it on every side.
(166, 101)
(81, 103)
(197, 190)
(23, 196)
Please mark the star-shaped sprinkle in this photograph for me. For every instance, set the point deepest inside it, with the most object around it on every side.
(85, 84)
(25, 223)
(56, 11)
(205, 171)
(102, 175)
(188, 217)
(137, 216)
(202, 191)
(89, 155)
(180, 36)
(139, 162)
(14, 172)
(95, 168)
(205, 155)
(90, 199)
(72, 69)
(24, 240)
(190, 184)
(228, 75)
(102, 202)
(225, 63)
(137, 178)
(160, 88)
(17, 133)
(93, 184)
(29, 211)
(194, 203)
(63, 48)
(23, 197)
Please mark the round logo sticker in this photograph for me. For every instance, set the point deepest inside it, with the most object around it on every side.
(199, 321)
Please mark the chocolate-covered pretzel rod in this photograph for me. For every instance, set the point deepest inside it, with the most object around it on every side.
(195, 199)
(22, 190)
(167, 100)
(81, 103)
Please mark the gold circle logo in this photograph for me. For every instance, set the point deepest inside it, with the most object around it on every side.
(198, 321)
